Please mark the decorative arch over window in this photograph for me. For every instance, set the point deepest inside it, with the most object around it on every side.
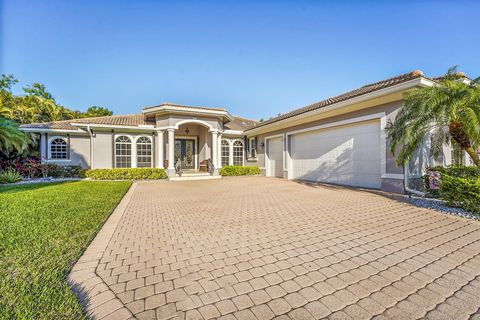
(225, 153)
(123, 152)
(144, 152)
(238, 153)
(59, 149)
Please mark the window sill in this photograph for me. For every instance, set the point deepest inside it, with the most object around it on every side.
(252, 159)
(59, 160)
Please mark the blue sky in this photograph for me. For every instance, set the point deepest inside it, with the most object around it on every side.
(257, 58)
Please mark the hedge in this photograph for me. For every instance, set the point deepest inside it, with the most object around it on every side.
(461, 192)
(239, 171)
(459, 186)
(127, 174)
(458, 171)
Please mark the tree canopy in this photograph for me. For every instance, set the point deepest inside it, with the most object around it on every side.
(447, 112)
(38, 104)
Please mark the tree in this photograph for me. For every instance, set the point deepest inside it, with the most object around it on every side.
(449, 112)
(38, 104)
(38, 90)
(11, 138)
(95, 111)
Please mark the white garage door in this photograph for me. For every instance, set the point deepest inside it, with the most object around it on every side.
(348, 155)
(275, 157)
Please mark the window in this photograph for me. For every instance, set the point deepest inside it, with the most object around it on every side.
(59, 149)
(225, 153)
(238, 153)
(253, 147)
(123, 152)
(144, 152)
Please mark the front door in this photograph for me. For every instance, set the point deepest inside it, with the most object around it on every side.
(185, 151)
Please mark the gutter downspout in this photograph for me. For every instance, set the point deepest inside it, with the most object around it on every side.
(91, 147)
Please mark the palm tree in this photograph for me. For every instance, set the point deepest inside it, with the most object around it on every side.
(448, 111)
(11, 138)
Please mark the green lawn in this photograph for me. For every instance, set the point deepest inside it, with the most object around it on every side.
(44, 229)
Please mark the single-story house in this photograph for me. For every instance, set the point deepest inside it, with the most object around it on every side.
(339, 140)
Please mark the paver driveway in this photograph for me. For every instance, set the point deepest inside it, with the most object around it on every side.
(250, 248)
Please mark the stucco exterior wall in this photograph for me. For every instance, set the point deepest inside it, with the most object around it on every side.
(80, 151)
(390, 109)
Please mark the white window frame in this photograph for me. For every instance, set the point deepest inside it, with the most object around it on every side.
(229, 144)
(133, 150)
(136, 151)
(49, 148)
(251, 142)
(232, 146)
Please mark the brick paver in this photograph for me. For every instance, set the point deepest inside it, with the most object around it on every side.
(247, 248)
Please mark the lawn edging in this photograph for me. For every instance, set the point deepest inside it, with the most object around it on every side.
(93, 293)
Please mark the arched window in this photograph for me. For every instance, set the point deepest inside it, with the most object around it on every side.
(144, 152)
(238, 153)
(225, 153)
(123, 152)
(58, 149)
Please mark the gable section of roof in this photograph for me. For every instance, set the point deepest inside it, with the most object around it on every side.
(240, 124)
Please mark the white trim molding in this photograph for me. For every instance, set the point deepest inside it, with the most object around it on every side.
(381, 116)
(49, 149)
(267, 159)
(201, 122)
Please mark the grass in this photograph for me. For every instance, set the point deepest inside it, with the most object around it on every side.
(44, 229)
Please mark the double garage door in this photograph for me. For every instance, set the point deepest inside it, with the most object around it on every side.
(346, 155)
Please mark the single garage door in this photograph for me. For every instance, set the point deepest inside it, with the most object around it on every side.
(275, 157)
(348, 155)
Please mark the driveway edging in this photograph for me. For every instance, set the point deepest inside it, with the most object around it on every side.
(98, 300)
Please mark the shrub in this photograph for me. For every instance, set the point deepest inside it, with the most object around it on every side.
(28, 167)
(10, 176)
(461, 192)
(56, 171)
(239, 171)
(127, 174)
(454, 171)
(458, 171)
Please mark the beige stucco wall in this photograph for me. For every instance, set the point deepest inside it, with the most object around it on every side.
(390, 110)
(79, 149)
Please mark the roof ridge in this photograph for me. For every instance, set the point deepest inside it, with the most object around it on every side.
(385, 83)
(416, 73)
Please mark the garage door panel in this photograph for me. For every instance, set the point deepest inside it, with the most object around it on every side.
(347, 155)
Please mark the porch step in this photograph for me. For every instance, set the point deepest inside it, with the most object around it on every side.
(194, 176)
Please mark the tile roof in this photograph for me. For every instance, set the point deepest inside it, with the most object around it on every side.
(166, 104)
(346, 96)
(239, 123)
(120, 120)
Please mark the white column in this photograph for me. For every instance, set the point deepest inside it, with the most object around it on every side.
(134, 152)
(171, 151)
(215, 148)
(230, 152)
(219, 153)
(43, 147)
(159, 149)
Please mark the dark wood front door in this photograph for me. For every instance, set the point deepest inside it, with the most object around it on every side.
(185, 151)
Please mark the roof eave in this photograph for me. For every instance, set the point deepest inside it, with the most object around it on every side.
(185, 110)
(420, 81)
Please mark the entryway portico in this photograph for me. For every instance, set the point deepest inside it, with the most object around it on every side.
(188, 138)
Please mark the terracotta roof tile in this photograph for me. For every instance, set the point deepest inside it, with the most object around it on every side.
(239, 123)
(184, 106)
(120, 120)
(346, 96)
